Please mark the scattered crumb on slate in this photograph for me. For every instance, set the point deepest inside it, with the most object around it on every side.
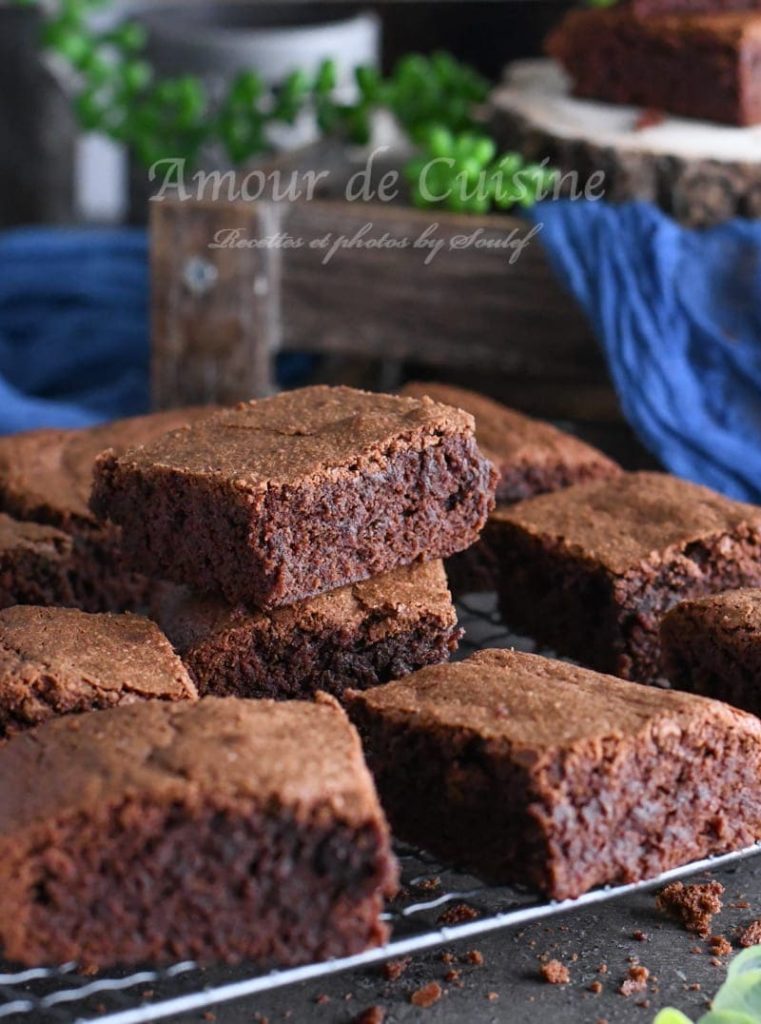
(602, 969)
(453, 976)
(751, 934)
(555, 973)
(458, 913)
(427, 995)
(635, 980)
(719, 945)
(596, 987)
(428, 884)
(740, 905)
(372, 1015)
(640, 936)
(322, 1000)
(394, 969)
(473, 956)
(446, 957)
(693, 905)
(694, 986)
(492, 996)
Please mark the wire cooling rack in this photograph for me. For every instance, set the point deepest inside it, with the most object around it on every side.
(436, 906)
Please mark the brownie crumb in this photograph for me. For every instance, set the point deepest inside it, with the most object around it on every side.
(640, 936)
(394, 969)
(427, 995)
(473, 956)
(446, 957)
(693, 905)
(635, 981)
(596, 987)
(458, 913)
(209, 1016)
(719, 945)
(694, 986)
(740, 905)
(555, 973)
(751, 934)
(372, 1015)
(602, 969)
(492, 996)
(452, 976)
(428, 884)
(649, 118)
(322, 999)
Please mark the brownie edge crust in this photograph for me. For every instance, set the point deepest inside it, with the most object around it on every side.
(529, 770)
(222, 830)
(281, 499)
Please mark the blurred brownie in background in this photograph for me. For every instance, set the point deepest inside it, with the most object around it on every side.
(45, 478)
(704, 65)
(36, 564)
(360, 635)
(592, 570)
(712, 646)
(531, 457)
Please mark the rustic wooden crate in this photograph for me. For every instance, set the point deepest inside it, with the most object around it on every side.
(220, 315)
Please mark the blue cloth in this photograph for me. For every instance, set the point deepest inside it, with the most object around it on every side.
(678, 314)
(73, 327)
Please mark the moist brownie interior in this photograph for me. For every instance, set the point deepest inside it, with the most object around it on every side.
(531, 770)
(219, 830)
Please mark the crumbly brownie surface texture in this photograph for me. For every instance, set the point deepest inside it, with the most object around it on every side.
(46, 477)
(591, 571)
(36, 564)
(695, 65)
(219, 830)
(531, 457)
(278, 500)
(56, 661)
(555, 776)
(713, 646)
(361, 635)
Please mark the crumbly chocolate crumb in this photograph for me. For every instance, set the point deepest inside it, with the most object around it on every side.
(209, 1016)
(555, 973)
(394, 969)
(458, 913)
(694, 905)
(740, 905)
(635, 980)
(322, 1000)
(428, 884)
(372, 1015)
(446, 957)
(427, 995)
(596, 987)
(452, 976)
(649, 118)
(751, 934)
(492, 996)
(694, 986)
(473, 956)
(715, 962)
(602, 969)
(719, 945)
(640, 936)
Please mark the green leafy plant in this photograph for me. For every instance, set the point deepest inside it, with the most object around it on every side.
(738, 1001)
(434, 99)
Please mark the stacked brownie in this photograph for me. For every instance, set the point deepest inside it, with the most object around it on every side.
(304, 534)
(697, 60)
(53, 550)
(531, 457)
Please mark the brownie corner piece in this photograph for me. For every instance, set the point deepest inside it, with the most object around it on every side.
(712, 646)
(61, 661)
(591, 570)
(248, 502)
(257, 821)
(534, 771)
(359, 635)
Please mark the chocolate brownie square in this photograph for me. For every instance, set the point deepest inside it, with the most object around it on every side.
(217, 830)
(531, 457)
(36, 564)
(58, 661)
(360, 636)
(712, 645)
(529, 770)
(591, 571)
(278, 500)
(701, 65)
(46, 477)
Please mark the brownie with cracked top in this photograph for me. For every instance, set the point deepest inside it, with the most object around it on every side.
(58, 661)
(360, 635)
(46, 477)
(531, 770)
(712, 645)
(216, 830)
(591, 571)
(284, 498)
(531, 457)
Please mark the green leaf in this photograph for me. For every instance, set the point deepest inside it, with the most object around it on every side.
(748, 960)
(671, 1016)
